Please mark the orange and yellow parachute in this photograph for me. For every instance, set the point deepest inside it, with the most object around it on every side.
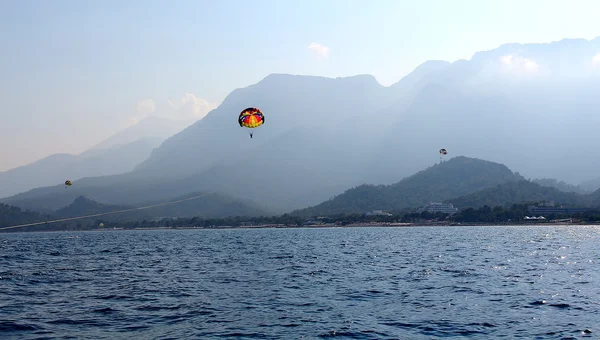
(251, 118)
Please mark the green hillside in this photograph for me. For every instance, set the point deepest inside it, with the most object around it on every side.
(519, 192)
(453, 178)
(212, 205)
(10, 216)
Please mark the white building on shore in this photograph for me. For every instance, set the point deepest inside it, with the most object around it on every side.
(435, 207)
(378, 213)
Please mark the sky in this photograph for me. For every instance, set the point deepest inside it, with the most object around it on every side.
(73, 73)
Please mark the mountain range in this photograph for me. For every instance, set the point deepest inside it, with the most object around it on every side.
(205, 205)
(532, 107)
(149, 127)
(449, 179)
(523, 191)
(208, 205)
(462, 181)
(117, 154)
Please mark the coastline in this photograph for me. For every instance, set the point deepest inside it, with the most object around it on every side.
(324, 226)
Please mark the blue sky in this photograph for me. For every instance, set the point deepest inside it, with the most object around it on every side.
(74, 72)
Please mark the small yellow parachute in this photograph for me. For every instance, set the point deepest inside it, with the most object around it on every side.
(68, 183)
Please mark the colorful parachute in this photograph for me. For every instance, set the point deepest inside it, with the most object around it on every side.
(443, 152)
(68, 183)
(251, 118)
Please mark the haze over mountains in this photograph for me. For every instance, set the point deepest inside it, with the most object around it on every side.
(532, 107)
(209, 205)
(465, 182)
(119, 153)
(151, 126)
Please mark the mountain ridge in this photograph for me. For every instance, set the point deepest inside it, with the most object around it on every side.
(353, 130)
(520, 192)
(149, 127)
(57, 168)
(455, 177)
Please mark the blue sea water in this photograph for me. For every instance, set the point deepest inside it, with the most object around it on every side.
(355, 283)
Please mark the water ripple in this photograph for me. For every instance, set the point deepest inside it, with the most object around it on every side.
(370, 283)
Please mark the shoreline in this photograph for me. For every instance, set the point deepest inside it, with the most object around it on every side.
(323, 226)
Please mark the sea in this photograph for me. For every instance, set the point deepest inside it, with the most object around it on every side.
(533, 282)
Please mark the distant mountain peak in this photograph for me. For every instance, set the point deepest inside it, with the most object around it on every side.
(358, 78)
(361, 77)
(465, 164)
(432, 63)
(83, 205)
(82, 200)
(536, 48)
(151, 126)
(287, 76)
(419, 73)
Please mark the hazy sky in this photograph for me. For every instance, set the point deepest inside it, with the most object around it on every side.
(72, 73)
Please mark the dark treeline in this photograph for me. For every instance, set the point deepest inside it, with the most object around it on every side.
(514, 213)
(10, 215)
(497, 215)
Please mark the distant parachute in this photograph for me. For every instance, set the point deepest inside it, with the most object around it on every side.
(443, 152)
(68, 184)
(251, 118)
